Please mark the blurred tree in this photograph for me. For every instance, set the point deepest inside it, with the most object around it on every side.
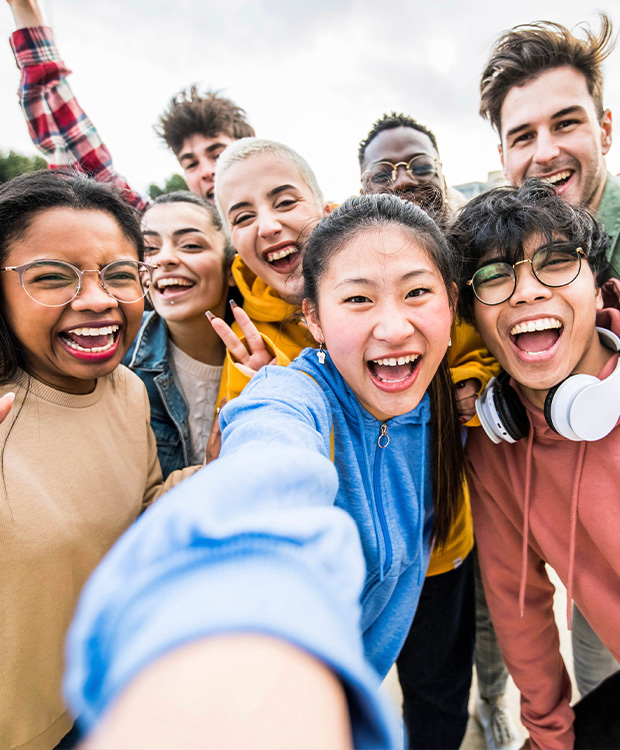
(13, 164)
(174, 182)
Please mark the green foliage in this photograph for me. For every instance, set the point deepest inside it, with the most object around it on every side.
(13, 164)
(174, 182)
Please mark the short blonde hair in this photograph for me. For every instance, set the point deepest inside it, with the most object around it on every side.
(246, 148)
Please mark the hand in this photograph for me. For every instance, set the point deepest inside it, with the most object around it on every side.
(214, 443)
(26, 13)
(6, 402)
(251, 357)
(466, 392)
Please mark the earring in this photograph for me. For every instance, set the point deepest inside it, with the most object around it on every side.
(321, 354)
(450, 341)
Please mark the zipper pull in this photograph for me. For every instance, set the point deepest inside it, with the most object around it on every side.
(384, 439)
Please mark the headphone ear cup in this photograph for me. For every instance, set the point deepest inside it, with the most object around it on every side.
(510, 409)
(578, 409)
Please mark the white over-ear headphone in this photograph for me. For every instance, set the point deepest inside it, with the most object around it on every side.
(582, 407)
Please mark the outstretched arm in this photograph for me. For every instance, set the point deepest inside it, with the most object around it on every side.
(58, 126)
(248, 555)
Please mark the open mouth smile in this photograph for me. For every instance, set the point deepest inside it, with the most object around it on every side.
(559, 180)
(283, 258)
(91, 343)
(172, 286)
(394, 373)
(536, 338)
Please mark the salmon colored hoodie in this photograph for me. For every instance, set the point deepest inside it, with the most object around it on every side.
(546, 499)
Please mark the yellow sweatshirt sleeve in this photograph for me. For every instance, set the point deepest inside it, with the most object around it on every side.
(234, 380)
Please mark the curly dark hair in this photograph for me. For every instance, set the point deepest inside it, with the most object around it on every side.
(500, 221)
(333, 232)
(524, 52)
(389, 121)
(208, 113)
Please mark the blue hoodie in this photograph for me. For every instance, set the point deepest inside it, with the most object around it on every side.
(261, 550)
(383, 471)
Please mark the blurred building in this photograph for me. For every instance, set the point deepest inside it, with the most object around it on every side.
(470, 189)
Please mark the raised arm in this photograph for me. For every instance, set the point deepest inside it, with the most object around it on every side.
(58, 126)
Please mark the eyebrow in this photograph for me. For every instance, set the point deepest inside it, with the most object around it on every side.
(176, 233)
(370, 282)
(555, 116)
(270, 194)
(209, 150)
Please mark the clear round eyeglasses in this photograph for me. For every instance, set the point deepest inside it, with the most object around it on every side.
(54, 283)
(553, 266)
(421, 168)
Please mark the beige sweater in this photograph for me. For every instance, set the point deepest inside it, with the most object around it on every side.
(75, 473)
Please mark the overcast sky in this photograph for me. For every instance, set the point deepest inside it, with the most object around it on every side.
(314, 74)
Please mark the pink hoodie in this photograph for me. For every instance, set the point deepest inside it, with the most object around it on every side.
(546, 499)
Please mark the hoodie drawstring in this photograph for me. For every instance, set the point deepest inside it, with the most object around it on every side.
(526, 515)
(574, 501)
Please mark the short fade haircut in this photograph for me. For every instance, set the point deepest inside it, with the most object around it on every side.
(208, 114)
(526, 51)
(388, 122)
(497, 223)
(246, 148)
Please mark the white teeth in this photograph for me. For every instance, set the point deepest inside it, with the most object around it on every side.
(542, 324)
(278, 254)
(557, 177)
(392, 361)
(173, 282)
(104, 331)
(79, 348)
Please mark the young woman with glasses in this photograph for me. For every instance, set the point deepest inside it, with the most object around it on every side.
(78, 459)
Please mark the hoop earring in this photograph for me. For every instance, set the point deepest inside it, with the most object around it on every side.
(321, 354)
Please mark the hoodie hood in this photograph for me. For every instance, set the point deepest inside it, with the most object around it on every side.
(260, 301)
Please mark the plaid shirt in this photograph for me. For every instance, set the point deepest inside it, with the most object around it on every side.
(58, 126)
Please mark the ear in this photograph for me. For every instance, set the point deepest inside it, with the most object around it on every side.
(606, 131)
(501, 158)
(328, 208)
(228, 277)
(453, 293)
(312, 321)
(598, 298)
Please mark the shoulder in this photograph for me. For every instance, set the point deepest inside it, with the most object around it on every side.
(151, 343)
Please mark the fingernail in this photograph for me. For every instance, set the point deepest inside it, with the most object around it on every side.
(233, 304)
(10, 395)
(209, 315)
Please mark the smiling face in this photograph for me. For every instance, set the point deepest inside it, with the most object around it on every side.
(191, 275)
(198, 157)
(401, 144)
(70, 347)
(550, 130)
(541, 335)
(270, 212)
(385, 292)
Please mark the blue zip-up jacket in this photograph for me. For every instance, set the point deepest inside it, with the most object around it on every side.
(149, 357)
(260, 550)
(384, 474)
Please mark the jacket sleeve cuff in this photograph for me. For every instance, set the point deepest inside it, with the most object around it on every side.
(34, 45)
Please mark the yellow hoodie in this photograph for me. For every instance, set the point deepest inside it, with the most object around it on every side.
(286, 334)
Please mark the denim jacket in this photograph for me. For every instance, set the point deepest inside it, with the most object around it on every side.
(150, 358)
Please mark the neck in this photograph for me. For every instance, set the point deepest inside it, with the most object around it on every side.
(197, 338)
(595, 201)
(591, 364)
